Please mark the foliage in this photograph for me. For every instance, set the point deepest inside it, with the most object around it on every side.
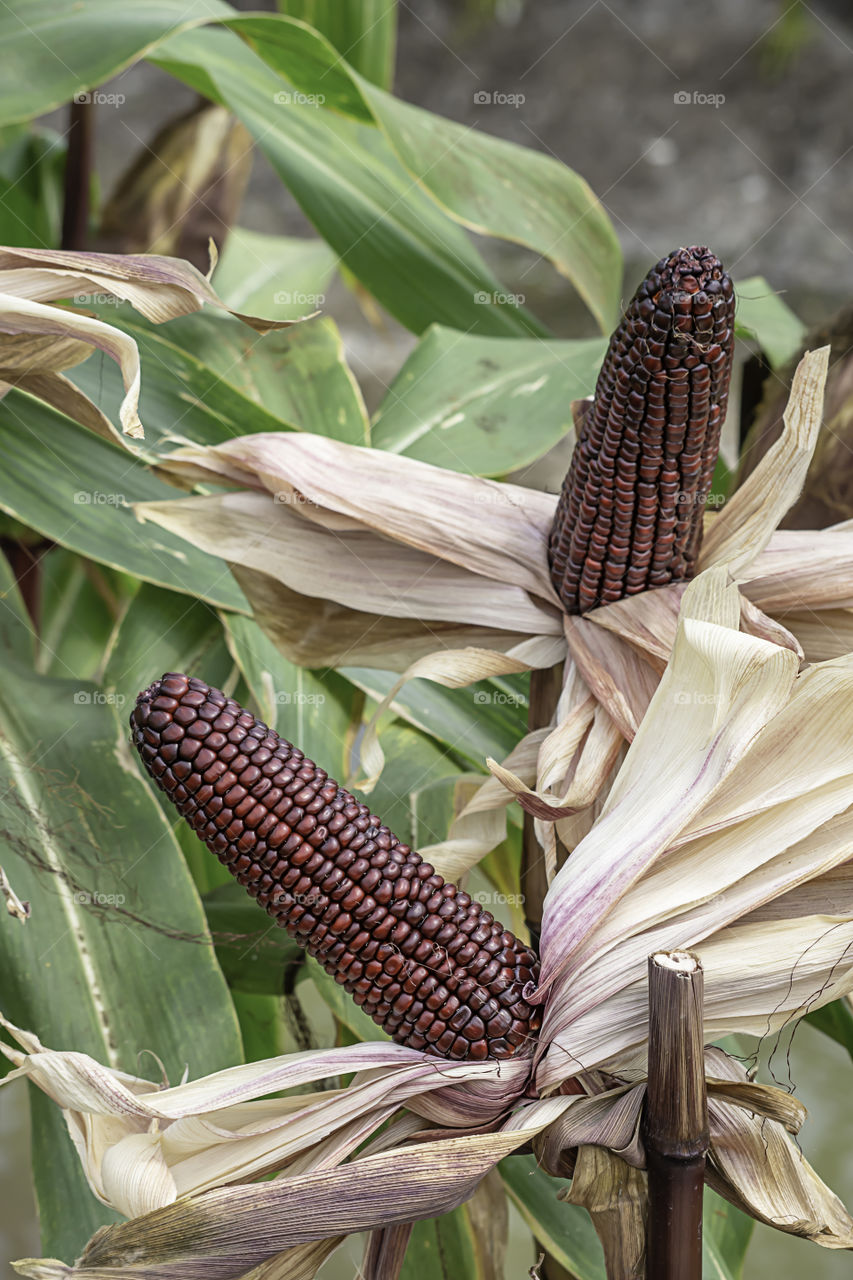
(135, 942)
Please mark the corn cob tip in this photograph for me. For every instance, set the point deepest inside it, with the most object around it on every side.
(631, 508)
(422, 959)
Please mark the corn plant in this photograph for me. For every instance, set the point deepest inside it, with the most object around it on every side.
(206, 535)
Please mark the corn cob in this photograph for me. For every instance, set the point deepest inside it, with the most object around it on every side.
(425, 961)
(631, 508)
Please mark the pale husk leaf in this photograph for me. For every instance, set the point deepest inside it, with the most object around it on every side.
(803, 569)
(823, 634)
(159, 288)
(62, 394)
(615, 1195)
(360, 570)
(319, 633)
(498, 531)
(40, 340)
(134, 1175)
(741, 531)
(216, 1235)
(31, 352)
(454, 669)
(302, 1262)
(573, 766)
(754, 1164)
(759, 624)
(586, 775)
(141, 1146)
(613, 670)
(782, 819)
(385, 1252)
(648, 621)
(758, 978)
(19, 314)
(610, 1119)
(721, 686)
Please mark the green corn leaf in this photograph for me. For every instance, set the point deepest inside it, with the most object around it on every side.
(563, 1230)
(484, 405)
(256, 956)
(72, 486)
(363, 31)
(317, 714)
(836, 1021)
(488, 185)
(392, 236)
(283, 277)
(54, 49)
(115, 958)
(763, 316)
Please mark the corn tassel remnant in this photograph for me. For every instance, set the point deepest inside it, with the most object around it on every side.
(631, 508)
(422, 959)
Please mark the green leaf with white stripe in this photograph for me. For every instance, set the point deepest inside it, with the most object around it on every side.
(564, 1230)
(279, 277)
(162, 631)
(484, 719)
(484, 405)
(208, 378)
(79, 490)
(115, 959)
(487, 184)
(350, 184)
(79, 605)
(17, 635)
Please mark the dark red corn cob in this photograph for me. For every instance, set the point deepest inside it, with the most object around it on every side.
(425, 961)
(631, 508)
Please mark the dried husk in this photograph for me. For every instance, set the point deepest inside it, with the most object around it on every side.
(40, 340)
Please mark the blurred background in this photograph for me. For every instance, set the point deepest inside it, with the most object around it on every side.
(728, 125)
